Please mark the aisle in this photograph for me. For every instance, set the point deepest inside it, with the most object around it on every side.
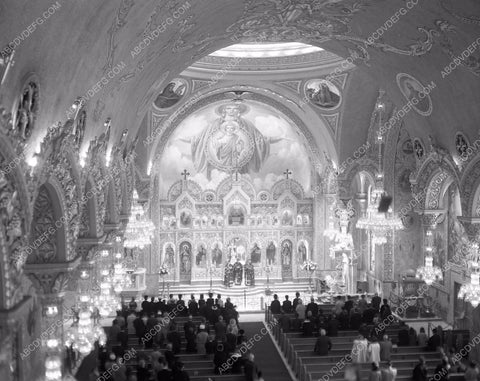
(266, 355)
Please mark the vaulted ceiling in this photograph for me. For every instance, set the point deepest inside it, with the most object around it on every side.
(78, 45)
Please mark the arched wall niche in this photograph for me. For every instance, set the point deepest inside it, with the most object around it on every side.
(88, 220)
(48, 240)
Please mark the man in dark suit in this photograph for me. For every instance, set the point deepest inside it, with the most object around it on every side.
(287, 305)
(250, 368)
(313, 307)
(323, 344)
(348, 304)
(403, 339)
(275, 305)
(376, 300)
(368, 315)
(355, 319)
(295, 301)
(332, 326)
(434, 341)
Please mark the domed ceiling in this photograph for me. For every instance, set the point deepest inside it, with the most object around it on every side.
(119, 55)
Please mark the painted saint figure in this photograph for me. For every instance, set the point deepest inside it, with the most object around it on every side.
(249, 274)
(217, 255)
(286, 253)
(256, 254)
(201, 257)
(237, 273)
(302, 252)
(185, 257)
(169, 257)
(271, 249)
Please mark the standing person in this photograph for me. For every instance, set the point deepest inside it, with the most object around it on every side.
(376, 300)
(287, 305)
(385, 310)
(389, 373)
(250, 368)
(193, 306)
(220, 329)
(420, 371)
(132, 306)
(295, 301)
(412, 337)
(232, 327)
(375, 373)
(308, 325)
(175, 339)
(422, 338)
(374, 351)
(164, 374)
(140, 325)
(360, 350)
(471, 374)
(143, 374)
(385, 349)
(300, 310)
(190, 335)
(362, 304)
(275, 307)
(403, 335)
(352, 373)
(323, 344)
(313, 307)
(179, 373)
(435, 341)
(332, 326)
(202, 338)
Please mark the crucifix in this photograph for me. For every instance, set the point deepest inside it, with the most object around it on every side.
(185, 174)
(287, 173)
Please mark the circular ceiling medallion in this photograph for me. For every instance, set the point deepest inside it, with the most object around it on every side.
(171, 94)
(322, 93)
(415, 93)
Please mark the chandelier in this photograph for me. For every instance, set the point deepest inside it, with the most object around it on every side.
(139, 230)
(83, 334)
(429, 273)
(471, 291)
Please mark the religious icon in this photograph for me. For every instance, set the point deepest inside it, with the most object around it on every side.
(271, 250)
(419, 150)
(185, 257)
(407, 146)
(249, 274)
(217, 255)
(287, 218)
(415, 93)
(171, 94)
(185, 219)
(255, 254)
(302, 252)
(201, 257)
(322, 93)
(169, 256)
(287, 253)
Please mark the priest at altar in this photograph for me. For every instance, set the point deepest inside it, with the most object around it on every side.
(249, 274)
(237, 273)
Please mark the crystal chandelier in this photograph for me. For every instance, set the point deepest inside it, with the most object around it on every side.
(83, 334)
(376, 222)
(429, 273)
(139, 230)
(471, 291)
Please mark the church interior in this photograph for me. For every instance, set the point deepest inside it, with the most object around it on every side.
(166, 165)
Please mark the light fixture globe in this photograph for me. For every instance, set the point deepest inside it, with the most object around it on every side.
(471, 291)
(429, 273)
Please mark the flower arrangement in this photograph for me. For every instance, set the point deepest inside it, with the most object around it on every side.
(163, 270)
(309, 266)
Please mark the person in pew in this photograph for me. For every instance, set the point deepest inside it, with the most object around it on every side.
(412, 337)
(435, 341)
(210, 300)
(201, 301)
(122, 338)
(143, 373)
(193, 306)
(349, 304)
(175, 339)
(308, 325)
(190, 330)
(164, 374)
(284, 321)
(355, 319)
(210, 345)
(385, 310)
(230, 343)
(295, 301)
(472, 373)
(232, 327)
(219, 301)
(201, 340)
(332, 326)
(300, 310)
(229, 305)
(368, 315)
(344, 319)
(120, 319)
(360, 350)
(389, 373)
(375, 373)
(420, 372)
(145, 305)
(275, 307)
(156, 356)
(323, 344)
(180, 306)
(220, 329)
(362, 304)
(287, 305)
(374, 350)
(422, 338)
(385, 349)
(403, 339)
(352, 373)
(250, 368)
(179, 373)
(241, 338)
(169, 356)
(313, 307)
(219, 358)
(114, 331)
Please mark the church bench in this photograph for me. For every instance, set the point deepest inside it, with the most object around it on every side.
(395, 358)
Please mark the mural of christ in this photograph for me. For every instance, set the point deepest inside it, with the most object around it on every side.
(230, 143)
